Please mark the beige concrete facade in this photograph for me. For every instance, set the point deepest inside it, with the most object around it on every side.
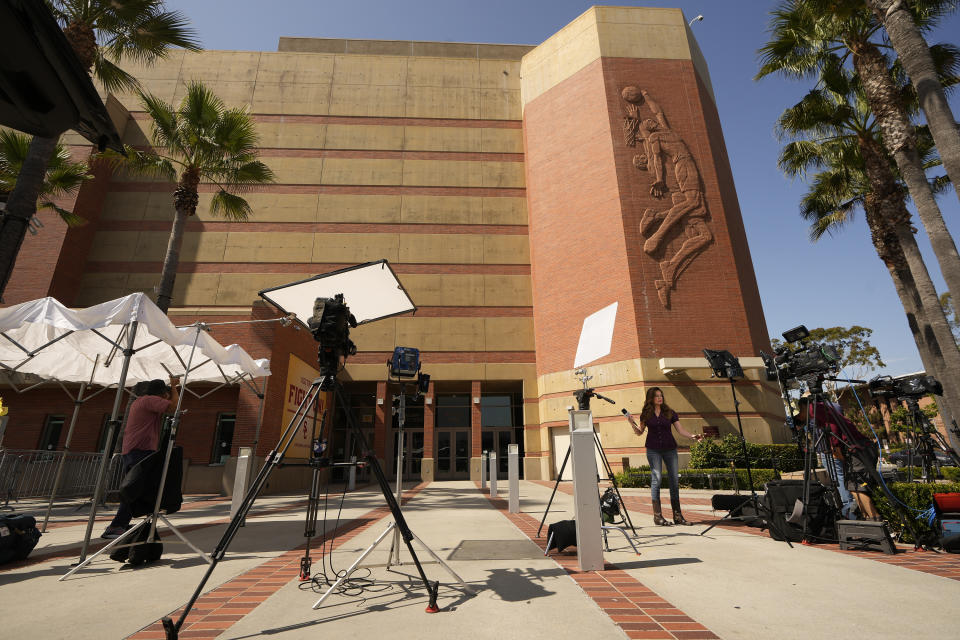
(413, 152)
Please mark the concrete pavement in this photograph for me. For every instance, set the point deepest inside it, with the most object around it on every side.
(731, 583)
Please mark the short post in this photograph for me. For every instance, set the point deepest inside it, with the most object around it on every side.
(493, 473)
(483, 470)
(513, 476)
(586, 498)
(240, 478)
(352, 474)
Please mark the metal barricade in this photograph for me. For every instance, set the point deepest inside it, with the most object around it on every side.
(26, 474)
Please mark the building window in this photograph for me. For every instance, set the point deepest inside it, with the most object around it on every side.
(50, 437)
(104, 428)
(413, 413)
(453, 410)
(497, 410)
(223, 437)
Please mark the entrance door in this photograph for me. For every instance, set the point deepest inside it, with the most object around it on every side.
(453, 454)
(497, 440)
(412, 453)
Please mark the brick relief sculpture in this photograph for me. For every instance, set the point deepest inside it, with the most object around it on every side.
(663, 147)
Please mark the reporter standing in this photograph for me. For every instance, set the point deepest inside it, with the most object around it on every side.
(661, 446)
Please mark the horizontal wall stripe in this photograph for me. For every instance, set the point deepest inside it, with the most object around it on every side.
(450, 357)
(303, 269)
(474, 312)
(349, 189)
(448, 156)
(665, 384)
(320, 227)
(374, 120)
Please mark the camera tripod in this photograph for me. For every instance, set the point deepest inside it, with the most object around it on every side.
(583, 397)
(754, 499)
(273, 460)
(926, 440)
(397, 528)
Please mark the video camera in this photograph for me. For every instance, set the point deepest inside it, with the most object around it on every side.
(805, 361)
(330, 325)
(916, 387)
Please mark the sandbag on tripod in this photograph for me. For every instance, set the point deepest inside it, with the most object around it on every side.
(780, 500)
(136, 550)
(139, 487)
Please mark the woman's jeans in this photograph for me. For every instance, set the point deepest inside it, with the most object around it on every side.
(849, 503)
(668, 457)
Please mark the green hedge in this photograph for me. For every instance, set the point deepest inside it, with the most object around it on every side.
(918, 496)
(712, 453)
(721, 478)
(950, 474)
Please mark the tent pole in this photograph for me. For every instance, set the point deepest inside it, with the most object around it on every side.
(108, 449)
(66, 450)
(174, 425)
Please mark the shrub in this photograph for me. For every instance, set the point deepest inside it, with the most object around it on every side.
(712, 453)
(918, 497)
(721, 478)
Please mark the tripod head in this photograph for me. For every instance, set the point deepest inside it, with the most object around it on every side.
(583, 395)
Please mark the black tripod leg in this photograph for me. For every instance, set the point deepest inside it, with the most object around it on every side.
(554, 492)
(310, 524)
(613, 481)
(401, 522)
(171, 628)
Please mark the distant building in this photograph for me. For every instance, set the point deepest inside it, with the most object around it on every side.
(514, 189)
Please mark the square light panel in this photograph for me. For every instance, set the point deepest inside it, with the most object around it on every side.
(371, 290)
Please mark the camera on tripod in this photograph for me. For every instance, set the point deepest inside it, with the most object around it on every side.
(801, 361)
(912, 388)
(330, 325)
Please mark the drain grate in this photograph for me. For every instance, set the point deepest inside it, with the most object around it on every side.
(495, 550)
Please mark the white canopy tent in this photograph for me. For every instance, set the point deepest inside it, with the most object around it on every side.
(115, 344)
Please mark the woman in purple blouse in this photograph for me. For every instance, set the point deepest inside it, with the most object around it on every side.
(661, 449)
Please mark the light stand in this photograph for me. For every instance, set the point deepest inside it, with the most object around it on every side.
(725, 365)
(155, 515)
(583, 403)
(926, 439)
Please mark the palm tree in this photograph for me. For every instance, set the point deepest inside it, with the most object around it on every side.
(906, 36)
(103, 33)
(63, 175)
(836, 139)
(809, 35)
(199, 141)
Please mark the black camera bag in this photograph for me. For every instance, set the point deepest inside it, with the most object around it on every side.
(18, 536)
(780, 500)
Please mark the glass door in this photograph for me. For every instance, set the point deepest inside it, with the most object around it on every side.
(412, 453)
(453, 454)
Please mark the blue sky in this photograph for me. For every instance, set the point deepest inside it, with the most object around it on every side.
(837, 281)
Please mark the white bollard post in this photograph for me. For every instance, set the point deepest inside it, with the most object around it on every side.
(493, 474)
(586, 499)
(240, 478)
(352, 475)
(513, 475)
(483, 470)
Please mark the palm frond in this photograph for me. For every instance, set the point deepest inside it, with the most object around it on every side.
(144, 163)
(69, 217)
(148, 35)
(112, 77)
(230, 206)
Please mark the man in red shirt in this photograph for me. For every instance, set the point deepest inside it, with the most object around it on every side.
(141, 438)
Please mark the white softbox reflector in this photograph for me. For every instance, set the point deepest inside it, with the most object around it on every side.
(371, 290)
(596, 336)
